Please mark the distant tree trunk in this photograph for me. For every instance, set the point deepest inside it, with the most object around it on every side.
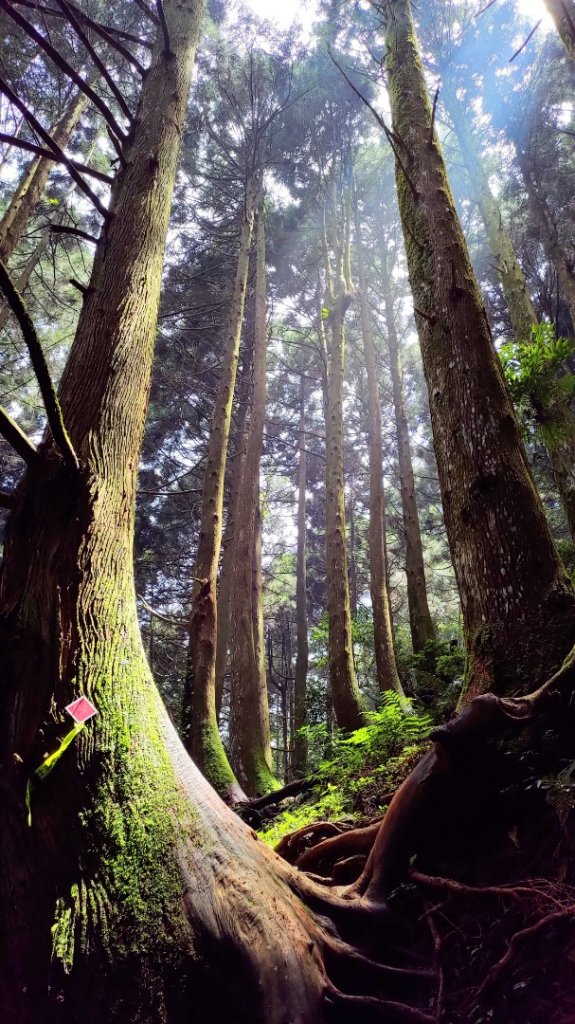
(346, 697)
(518, 605)
(201, 732)
(511, 276)
(420, 622)
(226, 580)
(387, 674)
(352, 545)
(302, 641)
(249, 713)
(31, 186)
(563, 14)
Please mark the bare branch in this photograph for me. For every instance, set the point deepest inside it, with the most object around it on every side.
(106, 31)
(13, 140)
(146, 10)
(162, 19)
(523, 45)
(118, 136)
(40, 366)
(65, 229)
(172, 621)
(97, 60)
(16, 437)
(47, 138)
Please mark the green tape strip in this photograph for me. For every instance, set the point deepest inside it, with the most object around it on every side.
(45, 768)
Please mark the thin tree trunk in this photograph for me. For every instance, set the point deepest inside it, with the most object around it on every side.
(347, 703)
(563, 14)
(387, 674)
(420, 622)
(202, 736)
(517, 602)
(511, 276)
(302, 641)
(352, 562)
(226, 580)
(23, 279)
(249, 713)
(33, 181)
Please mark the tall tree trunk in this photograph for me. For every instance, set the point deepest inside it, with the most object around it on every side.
(89, 875)
(302, 641)
(347, 703)
(420, 622)
(249, 713)
(387, 674)
(352, 561)
(560, 440)
(226, 580)
(203, 739)
(563, 14)
(511, 276)
(33, 181)
(517, 602)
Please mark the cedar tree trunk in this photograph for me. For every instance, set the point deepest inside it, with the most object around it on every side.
(517, 603)
(302, 641)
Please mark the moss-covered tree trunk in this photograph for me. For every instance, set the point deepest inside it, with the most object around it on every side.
(31, 185)
(249, 714)
(560, 421)
(563, 14)
(302, 641)
(387, 674)
(201, 732)
(517, 602)
(420, 622)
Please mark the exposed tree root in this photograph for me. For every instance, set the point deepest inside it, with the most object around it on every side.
(292, 846)
(321, 856)
(516, 941)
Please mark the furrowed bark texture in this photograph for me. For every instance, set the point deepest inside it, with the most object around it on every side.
(420, 622)
(347, 703)
(201, 727)
(88, 887)
(249, 713)
(387, 674)
(226, 580)
(33, 181)
(563, 14)
(517, 602)
(560, 435)
(302, 642)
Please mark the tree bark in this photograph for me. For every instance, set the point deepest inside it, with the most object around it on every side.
(387, 674)
(563, 14)
(249, 713)
(420, 622)
(302, 641)
(517, 602)
(203, 739)
(33, 181)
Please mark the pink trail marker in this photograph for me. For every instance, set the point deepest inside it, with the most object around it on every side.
(81, 709)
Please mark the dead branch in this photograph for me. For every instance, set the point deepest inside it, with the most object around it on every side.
(523, 45)
(40, 367)
(18, 440)
(106, 31)
(31, 147)
(47, 138)
(96, 59)
(118, 136)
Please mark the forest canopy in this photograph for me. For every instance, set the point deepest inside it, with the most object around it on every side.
(287, 512)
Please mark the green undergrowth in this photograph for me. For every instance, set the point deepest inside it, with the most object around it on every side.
(354, 773)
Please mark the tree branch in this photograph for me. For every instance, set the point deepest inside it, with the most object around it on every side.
(16, 437)
(162, 19)
(160, 615)
(118, 136)
(65, 229)
(40, 366)
(523, 45)
(47, 138)
(31, 147)
(146, 10)
(98, 62)
(106, 31)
